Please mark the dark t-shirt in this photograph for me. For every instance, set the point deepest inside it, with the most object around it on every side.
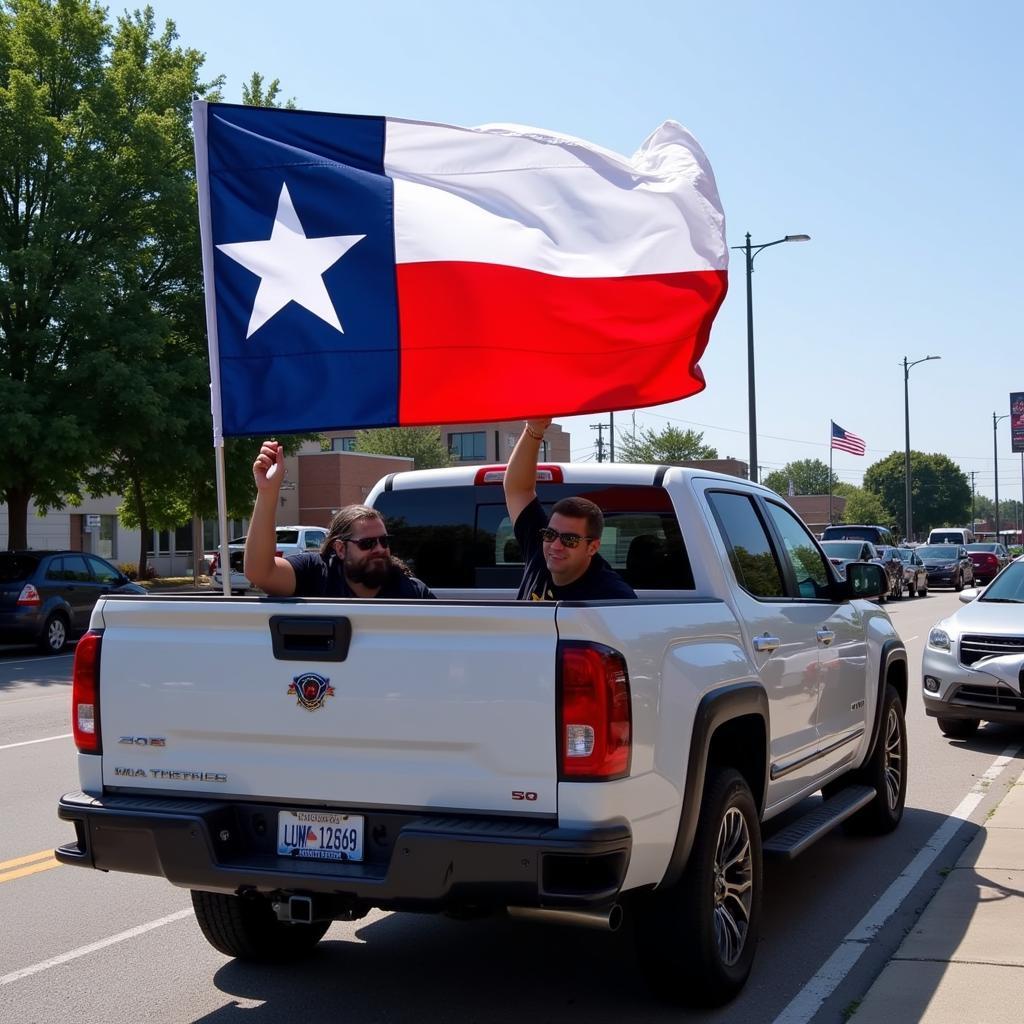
(316, 576)
(599, 581)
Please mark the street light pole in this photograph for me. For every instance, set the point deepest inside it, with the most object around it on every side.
(995, 461)
(908, 511)
(750, 251)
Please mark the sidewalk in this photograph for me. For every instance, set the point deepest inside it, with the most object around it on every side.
(964, 961)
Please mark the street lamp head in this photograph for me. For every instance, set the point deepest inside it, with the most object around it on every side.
(797, 238)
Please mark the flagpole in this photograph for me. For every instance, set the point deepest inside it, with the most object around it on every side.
(199, 115)
(830, 449)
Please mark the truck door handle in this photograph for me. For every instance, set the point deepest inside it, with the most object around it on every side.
(310, 639)
(765, 643)
(825, 636)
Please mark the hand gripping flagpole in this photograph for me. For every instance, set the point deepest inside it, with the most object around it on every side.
(199, 114)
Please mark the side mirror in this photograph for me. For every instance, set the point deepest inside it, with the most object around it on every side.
(968, 595)
(866, 579)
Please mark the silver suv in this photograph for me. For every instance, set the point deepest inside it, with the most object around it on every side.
(290, 541)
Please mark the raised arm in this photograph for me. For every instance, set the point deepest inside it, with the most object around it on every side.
(262, 568)
(521, 474)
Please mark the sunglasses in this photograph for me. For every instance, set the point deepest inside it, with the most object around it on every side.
(369, 543)
(570, 540)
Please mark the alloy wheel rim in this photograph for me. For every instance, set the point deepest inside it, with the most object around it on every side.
(733, 885)
(893, 759)
(57, 634)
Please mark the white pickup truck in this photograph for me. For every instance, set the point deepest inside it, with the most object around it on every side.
(298, 761)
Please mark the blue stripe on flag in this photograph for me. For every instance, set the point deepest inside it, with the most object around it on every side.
(297, 372)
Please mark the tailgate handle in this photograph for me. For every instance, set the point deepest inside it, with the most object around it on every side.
(308, 639)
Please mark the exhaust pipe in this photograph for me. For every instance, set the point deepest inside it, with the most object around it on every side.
(608, 919)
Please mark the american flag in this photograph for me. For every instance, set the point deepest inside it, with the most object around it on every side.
(845, 441)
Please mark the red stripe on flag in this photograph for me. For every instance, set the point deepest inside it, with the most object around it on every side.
(487, 342)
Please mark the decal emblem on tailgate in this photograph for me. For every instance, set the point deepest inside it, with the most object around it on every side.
(311, 690)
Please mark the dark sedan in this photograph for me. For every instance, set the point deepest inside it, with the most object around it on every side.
(915, 576)
(947, 565)
(988, 560)
(46, 597)
(842, 552)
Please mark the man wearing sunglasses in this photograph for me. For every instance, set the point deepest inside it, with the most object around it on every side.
(561, 554)
(354, 560)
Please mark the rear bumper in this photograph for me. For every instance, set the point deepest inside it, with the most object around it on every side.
(413, 862)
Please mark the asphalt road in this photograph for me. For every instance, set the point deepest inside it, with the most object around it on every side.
(80, 946)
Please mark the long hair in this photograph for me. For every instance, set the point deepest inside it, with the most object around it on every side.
(342, 523)
(341, 526)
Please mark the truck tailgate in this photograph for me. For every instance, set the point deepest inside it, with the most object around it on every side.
(435, 705)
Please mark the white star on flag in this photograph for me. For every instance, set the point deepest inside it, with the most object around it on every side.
(290, 267)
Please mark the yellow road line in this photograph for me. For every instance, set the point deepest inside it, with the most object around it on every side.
(31, 869)
(18, 861)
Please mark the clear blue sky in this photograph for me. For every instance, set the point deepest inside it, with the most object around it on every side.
(889, 132)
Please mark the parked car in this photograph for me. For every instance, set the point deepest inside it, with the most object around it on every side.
(974, 659)
(48, 596)
(914, 573)
(290, 541)
(855, 531)
(988, 560)
(951, 535)
(841, 552)
(948, 565)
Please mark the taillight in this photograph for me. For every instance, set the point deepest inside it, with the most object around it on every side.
(29, 596)
(595, 714)
(85, 695)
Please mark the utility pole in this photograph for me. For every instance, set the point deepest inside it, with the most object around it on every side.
(600, 428)
(611, 437)
(972, 500)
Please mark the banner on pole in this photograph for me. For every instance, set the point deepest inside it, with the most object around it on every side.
(1017, 420)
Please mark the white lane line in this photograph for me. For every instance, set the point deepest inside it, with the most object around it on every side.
(16, 662)
(74, 954)
(809, 1000)
(45, 739)
(909, 638)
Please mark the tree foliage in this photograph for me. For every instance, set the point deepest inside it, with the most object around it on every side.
(864, 507)
(808, 476)
(96, 241)
(939, 490)
(668, 445)
(423, 444)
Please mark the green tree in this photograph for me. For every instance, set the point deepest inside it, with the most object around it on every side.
(808, 476)
(420, 443)
(668, 445)
(940, 491)
(96, 202)
(256, 94)
(864, 507)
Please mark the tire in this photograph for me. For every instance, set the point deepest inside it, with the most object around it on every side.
(55, 634)
(696, 940)
(958, 728)
(959, 584)
(923, 591)
(886, 771)
(912, 589)
(248, 929)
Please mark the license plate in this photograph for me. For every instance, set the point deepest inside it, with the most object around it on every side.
(320, 835)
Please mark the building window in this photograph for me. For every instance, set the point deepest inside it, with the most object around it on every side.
(343, 444)
(183, 539)
(469, 445)
(103, 538)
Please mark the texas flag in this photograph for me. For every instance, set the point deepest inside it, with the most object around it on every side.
(371, 272)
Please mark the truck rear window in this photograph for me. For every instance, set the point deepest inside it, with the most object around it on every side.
(14, 568)
(462, 537)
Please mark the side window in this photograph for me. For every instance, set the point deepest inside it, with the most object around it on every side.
(75, 569)
(812, 578)
(55, 570)
(104, 573)
(750, 552)
(314, 539)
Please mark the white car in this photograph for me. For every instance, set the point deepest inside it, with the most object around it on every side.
(290, 541)
(973, 665)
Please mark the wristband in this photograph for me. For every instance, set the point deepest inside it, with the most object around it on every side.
(536, 437)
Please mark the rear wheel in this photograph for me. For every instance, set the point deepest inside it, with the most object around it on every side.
(697, 939)
(248, 928)
(958, 728)
(958, 583)
(923, 589)
(886, 771)
(55, 634)
(912, 588)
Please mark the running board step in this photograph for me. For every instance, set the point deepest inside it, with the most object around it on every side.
(792, 841)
